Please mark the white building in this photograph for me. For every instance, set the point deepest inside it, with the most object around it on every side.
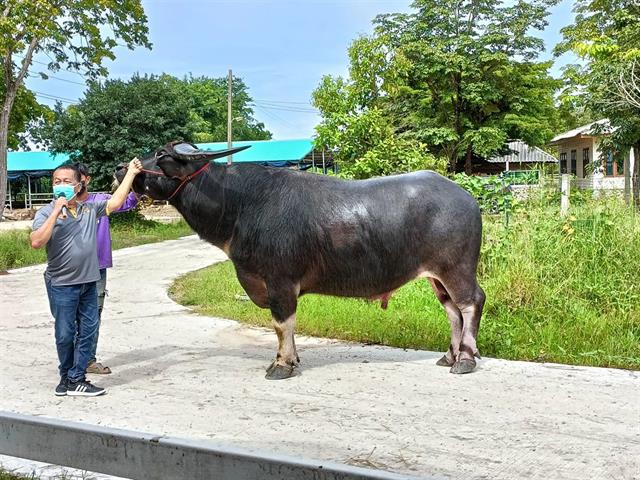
(580, 155)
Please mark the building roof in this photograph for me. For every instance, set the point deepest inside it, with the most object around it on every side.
(521, 152)
(265, 151)
(22, 162)
(583, 131)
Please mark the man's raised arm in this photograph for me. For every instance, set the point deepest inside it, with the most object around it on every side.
(120, 195)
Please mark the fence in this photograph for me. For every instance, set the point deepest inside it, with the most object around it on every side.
(138, 455)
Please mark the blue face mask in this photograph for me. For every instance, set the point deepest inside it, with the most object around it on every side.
(66, 191)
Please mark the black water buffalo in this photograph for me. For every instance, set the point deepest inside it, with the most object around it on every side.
(289, 233)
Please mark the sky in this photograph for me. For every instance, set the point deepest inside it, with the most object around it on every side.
(280, 48)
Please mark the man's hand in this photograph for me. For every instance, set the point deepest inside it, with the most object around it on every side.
(135, 166)
(60, 206)
(120, 195)
(60, 203)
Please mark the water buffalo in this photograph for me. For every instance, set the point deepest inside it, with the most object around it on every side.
(289, 233)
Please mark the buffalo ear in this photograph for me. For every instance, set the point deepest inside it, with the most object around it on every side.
(172, 167)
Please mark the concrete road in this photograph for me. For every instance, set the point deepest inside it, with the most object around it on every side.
(180, 374)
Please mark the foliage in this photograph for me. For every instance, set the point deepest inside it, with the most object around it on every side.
(76, 35)
(606, 35)
(208, 110)
(558, 290)
(458, 77)
(117, 120)
(26, 113)
(492, 192)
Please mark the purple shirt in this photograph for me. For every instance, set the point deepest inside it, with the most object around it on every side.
(103, 234)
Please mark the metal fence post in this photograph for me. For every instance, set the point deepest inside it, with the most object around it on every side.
(565, 190)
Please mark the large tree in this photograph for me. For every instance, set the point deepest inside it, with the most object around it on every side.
(117, 120)
(460, 77)
(75, 34)
(26, 114)
(208, 97)
(606, 35)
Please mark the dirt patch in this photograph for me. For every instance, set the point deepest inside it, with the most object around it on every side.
(160, 213)
(19, 214)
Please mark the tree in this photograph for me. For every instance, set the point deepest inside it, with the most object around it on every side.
(118, 120)
(25, 114)
(72, 33)
(208, 98)
(459, 77)
(606, 35)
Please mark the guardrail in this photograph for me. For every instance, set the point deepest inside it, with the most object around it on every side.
(138, 455)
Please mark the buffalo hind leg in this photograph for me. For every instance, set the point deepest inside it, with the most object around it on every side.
(283, 301)
(470, 301)
(455, 319)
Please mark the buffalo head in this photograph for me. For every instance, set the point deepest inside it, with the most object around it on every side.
(167, 168)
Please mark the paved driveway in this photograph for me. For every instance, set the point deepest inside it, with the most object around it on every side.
(185, 375)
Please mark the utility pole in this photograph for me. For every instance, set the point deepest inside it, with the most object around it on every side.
(229, 117)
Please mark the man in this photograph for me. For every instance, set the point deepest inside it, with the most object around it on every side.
(103, 240)
(67, 228)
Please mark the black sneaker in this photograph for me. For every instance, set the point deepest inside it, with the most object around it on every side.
(83, 388)
(61, 389)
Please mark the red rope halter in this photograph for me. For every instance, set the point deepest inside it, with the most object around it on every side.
(185, 180)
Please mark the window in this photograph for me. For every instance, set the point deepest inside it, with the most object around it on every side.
(585, 162)
(574, 161)
(563, 162)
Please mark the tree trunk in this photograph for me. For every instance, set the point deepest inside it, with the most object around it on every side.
(4, 138)
(635, 178)
(468, 161)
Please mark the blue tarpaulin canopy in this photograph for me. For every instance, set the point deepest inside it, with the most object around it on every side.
(277, 153)
(35, 164)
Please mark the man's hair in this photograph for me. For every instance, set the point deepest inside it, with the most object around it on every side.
(70, 166)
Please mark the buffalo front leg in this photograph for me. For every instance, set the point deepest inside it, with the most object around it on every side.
(455, 319)
(283, 301)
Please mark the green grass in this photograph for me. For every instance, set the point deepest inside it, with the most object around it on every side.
(5, 475)
(9, 476)
(558, 290)
(127, 230)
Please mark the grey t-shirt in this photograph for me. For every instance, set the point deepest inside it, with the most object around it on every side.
(72, 256)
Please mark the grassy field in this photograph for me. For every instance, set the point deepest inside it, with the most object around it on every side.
(127, 230)
(558, 290)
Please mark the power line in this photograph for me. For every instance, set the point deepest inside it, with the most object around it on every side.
(285, 109)
(274, 116)
(64, 79)
(282, 101)
(53, 97)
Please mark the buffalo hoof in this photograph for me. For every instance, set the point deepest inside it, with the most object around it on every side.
(463, 366)
(445, 361)
(279, 372)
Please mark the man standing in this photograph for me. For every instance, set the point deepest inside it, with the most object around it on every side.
(103, 240)
(67, 228)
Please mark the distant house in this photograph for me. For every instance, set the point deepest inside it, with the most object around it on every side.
(581, 156)
(520, 156)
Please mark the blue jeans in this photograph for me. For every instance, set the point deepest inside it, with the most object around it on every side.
(101, 286)
(75, 309)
